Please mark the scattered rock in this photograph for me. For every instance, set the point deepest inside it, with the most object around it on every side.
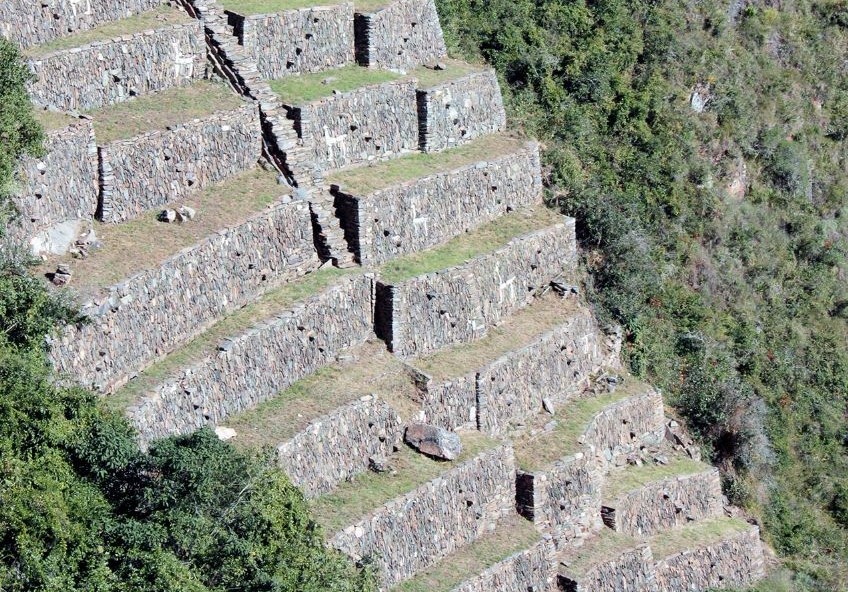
(661, 459)
(167, 216)
(224, 433)
(379, 464)
(433, 441)
(62, 275)
(548, 405)
(187, 213)
(329, 80)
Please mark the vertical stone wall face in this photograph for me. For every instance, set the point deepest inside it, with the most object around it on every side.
(665, 504)
(29, 22)
(460, 304)
(338, 446)
(298, 41)
(369, 123)
(159, 167)
(450, 404)
(412, 532)
(453, 113)
(142, 319)
(403, 35)
(621, 428)
(260, 363)
(108, 72)
(59, 188)
(734, 562)
(530, 570)
(630, 569)
(422, 213)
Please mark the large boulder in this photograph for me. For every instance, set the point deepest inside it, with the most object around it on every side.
(433, 441)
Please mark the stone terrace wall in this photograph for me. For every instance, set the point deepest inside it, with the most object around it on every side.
(628, 569)
(298, 41)
(260, 363)
(453, 113)
(450, 404)
(422, 213)
(107, 72)
(530, 570)
(460, 304)
(369, 123)
(622, 427)
(405, 34)
(337, 447)
(414, 531)
(62, 186)
(736, 561)
(562, 500)
(159, 167)
(148, 315)
(33, 22)
(665, 504)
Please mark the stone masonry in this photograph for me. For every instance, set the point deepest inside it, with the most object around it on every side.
(163, 166)
(400, 36)
(626, 569)
(530, 570)
(623, 427)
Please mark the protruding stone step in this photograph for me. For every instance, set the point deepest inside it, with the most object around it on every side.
(608, 562)
(421, 510)
(512, 558)
(644, 500)
(411, 204)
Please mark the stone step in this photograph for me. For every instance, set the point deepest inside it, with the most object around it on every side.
(149, 52)
(140, 309)
(647, 499)
(420, 510)
(607, 562)
(419, 201)
(512, 558)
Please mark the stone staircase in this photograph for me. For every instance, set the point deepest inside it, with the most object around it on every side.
(370, 251)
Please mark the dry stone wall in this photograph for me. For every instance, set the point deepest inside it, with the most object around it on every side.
(416, 215)
(59, 188)
(735, 561)
(32, 22)
(460, 304)
(107, 72)
(142, 319)
(412, 532)
(403, 35)
(259, 363)
(665, 504)
(455, 112)
(530, 571)
(369, 123)
(163, 166)
(337, 447)
(622, 427)
(298, 41)
(628, 569)
(450, 404)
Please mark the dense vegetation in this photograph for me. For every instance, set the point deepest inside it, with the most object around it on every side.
(83, 509)
(702, 148)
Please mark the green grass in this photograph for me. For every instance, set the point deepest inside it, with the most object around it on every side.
(53, 120)
(367, 179)
(513, 535)
(702, 533)
(428, 77)
(161, 110)
(236, 323)
(367, 492)
(152, 19)
(299, 90)
(600, 549)
(485, 239)
(632, 478)
(251, 7)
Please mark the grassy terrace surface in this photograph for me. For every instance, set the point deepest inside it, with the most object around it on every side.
(485, 239)
(152, 19)
(234, 324)
(428, 77)
(160, 110)
(219, 206)
(297, 90)
(698, 534)
(251, 7)
(535, 452)
(374, 371)
(600, 549)
(512, 535)
(368, 491)
(367, 179)
(514, 333)
(53, 120)
(632, 478)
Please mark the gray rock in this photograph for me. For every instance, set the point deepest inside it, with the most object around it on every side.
(167, 216)
(548, 405)
(187, 213)
(433, 441)
(379, 464)
(62, 275)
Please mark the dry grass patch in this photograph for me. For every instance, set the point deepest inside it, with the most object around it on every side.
(367, 179)
(306, 88)
(145, 243)
(485, 239)
(161, 110)
(454, 69)
(600, 549)
(367, 492)
(632, 478)
(252, 7)
(372, 371)
(698, 534)
(513, 535)
(53, 120)
(160, 17)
